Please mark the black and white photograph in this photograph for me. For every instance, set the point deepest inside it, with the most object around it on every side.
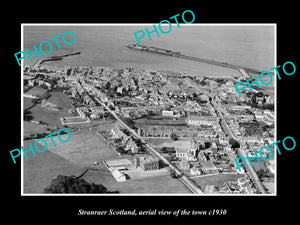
(136, 113)
(184, 113)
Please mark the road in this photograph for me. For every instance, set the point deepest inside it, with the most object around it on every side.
(181, 177)
(249, 168)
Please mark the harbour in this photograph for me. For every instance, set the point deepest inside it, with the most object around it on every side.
(243, 71)
(54, 58)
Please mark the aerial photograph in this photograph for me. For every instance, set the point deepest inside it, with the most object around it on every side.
(161, 116)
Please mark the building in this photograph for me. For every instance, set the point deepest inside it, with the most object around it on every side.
(167, 113)
(210, 189)
(207, 134)
(120, 177)
(81, 111)
(116, 131)
(185, 154)
(208, 167)
(258, 115)
(195, 171)
(239, 107)
(163, 131)
(202, 120)
(269, 100)
(201, 156)
(131, 146)
(147, 163)
(185, 149)
(184, 165)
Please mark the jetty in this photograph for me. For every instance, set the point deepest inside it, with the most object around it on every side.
(53, 58)
(242, 70)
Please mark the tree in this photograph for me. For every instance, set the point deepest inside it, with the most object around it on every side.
(128, 122)
(234, 143)
(120, 149)
(71, 184)
(173, 174)
(107, 85)
(69, 70)
(263, 173)
(174, 137)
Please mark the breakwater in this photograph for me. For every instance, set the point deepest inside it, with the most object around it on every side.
(53, 58)
(242, 70)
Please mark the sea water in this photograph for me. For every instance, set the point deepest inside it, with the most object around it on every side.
(105, 45)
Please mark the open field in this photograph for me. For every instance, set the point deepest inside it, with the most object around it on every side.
(31, 129)
(262, 165)
(51, 117)
(40, 113)
(60, 99)
(27, 102)
(150, 185)
(81, 151)
(74, 120)
(106, 125)
(270, 185)
(36, 91)
(158, 142)
(217, 180)
(39, 170)
(84, 148)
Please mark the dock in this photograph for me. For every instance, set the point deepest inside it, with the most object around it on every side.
(53, 58)
(242, 71)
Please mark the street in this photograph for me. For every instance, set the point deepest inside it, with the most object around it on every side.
(183, 178)
(240, 152)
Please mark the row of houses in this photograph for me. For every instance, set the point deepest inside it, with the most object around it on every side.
(265, 116)
(164, 131)
(194, 120)
(241, 186)
(117, 133)
(197, 168)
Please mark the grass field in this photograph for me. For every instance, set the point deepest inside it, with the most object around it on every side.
(84, 148)
(262, 165)
(36, 91)
(40, 113)
(270, 185)
(49, 116)
(60, 99)
(217, 180)
(32, 129)
(158, 142)
(81, 151)
(74, 120)
(40, 169)
(27, 102)
(150, 185)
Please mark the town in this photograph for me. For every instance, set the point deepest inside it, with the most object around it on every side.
(190, 128)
